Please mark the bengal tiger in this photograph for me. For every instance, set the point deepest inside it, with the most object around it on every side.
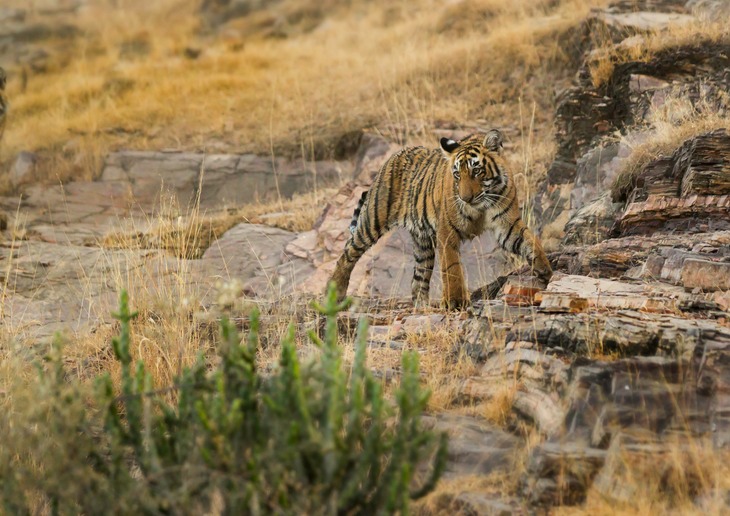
(442, 197)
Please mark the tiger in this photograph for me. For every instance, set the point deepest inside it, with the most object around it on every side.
(443, 197)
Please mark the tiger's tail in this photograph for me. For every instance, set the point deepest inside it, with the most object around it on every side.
(356, 213)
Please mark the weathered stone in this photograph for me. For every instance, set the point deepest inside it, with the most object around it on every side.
(253, 254)
(612, 258)
(596, 172)
(561, 473)
(603, 294)
(216, 180)
(481, 504)
(664, 467)
(710, 9)
(642, 21)
(522, 290)
(475, 446)
(690, 214)
(706, 275)
(640, 83)
(627, 332)
(594, 222)
(21, 172)
(61, 287)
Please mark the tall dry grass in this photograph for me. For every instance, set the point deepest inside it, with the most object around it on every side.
(404, 68)
(695, 33)
(677, 120)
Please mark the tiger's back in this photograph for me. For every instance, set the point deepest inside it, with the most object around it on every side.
(442, 197)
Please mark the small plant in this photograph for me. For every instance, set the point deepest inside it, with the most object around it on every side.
(312, 437)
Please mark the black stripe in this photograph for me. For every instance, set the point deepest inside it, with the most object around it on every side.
(423, 259)
(424, 204)
(509, 233)
(433, 182)
(366, 226)
(455, 264)
(390, 196)
(501, 190)
(422, 246)
(357, 234)
(504, 210)
(518, 241)
(493, 167)
(376, 206)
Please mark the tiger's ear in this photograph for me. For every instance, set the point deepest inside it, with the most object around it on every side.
(448, 146)
(493, 140)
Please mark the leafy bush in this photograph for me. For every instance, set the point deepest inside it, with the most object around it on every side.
(312, 437)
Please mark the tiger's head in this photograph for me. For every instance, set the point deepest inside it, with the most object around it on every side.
(476, 162)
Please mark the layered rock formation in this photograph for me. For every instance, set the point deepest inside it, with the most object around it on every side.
(623, 361)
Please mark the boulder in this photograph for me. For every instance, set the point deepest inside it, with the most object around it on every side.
(251, 254)
(475, 446)
(22, 169)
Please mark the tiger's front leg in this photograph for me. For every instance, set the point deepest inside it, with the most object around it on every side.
(455, 294)
(520, 240)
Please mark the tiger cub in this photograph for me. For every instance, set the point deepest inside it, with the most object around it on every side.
(443, 197)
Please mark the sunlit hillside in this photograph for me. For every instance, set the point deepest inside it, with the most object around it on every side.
(177, 184)
(293, 78)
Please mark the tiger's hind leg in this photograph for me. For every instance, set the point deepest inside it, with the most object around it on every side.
(354, 249)
(424, 254)
(367, 231)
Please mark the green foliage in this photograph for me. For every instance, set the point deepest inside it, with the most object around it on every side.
(312, 437)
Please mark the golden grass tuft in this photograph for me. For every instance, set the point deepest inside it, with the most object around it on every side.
(698, 33)
(189, 235)
(678, 120)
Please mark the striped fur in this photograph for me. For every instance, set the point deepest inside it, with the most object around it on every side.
(443, 197)
(356, 213)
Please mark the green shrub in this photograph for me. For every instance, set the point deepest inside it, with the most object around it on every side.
(312, 437)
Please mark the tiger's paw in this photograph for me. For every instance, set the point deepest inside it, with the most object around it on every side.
(455, 303)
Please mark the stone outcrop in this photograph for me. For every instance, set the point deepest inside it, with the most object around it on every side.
(59, 278)
(589, 158)
(135, 185)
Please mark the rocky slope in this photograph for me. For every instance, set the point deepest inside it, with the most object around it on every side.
(621, 367)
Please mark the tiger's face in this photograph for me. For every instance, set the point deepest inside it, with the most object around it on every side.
(476, 164)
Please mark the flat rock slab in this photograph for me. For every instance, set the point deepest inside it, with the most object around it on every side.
(71, 288)
(644, 21)
(137, 185)
(254, 255)
(218, 179)
(475, 446)
(53, 287)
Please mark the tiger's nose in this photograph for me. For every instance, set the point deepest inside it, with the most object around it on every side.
(467, 198)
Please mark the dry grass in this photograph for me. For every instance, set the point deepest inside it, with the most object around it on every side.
(298, 96)
(443, 364)
(685, 478)
(442, 500)
(678, 120)
(189, 235)
(700, 32)
(404, 69)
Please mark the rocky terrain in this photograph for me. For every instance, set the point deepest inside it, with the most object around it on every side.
(619, 370)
